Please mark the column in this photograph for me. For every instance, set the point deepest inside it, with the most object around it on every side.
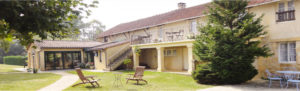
(190, 58)
(136, 59)
(160, 59)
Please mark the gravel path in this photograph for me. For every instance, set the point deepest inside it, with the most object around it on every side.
(64, 82)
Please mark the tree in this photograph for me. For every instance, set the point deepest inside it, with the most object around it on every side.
(90, 30)
(24, 19)
(224, 45)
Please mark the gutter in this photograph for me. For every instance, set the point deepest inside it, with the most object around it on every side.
(262, 3)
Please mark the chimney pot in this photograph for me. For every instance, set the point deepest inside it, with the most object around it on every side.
(181, 5)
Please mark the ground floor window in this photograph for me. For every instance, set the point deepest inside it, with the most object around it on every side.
(61, 60)
(287, 52)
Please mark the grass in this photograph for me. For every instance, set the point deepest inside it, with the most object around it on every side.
(9, 68)
(156, 81)
(12, 80)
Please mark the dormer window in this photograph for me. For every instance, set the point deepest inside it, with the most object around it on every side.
(286, 15)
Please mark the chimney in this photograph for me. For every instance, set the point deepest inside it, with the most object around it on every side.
(181, 5)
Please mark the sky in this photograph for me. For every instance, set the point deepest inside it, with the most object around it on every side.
(113, 12)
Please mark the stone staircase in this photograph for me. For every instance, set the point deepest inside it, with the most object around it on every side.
(116, 61)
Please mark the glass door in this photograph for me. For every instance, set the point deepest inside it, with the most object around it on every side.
(68, 64)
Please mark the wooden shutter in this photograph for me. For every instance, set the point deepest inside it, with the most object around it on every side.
(283, 52)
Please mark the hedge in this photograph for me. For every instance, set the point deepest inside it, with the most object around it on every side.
(14, 60)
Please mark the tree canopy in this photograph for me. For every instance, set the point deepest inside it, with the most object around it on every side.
(24, 19)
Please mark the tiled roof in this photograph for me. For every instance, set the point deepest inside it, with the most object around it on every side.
(66, 44)
(107, 45)
(172, 16)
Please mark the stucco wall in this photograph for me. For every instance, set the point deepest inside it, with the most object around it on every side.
(148, 57)
(176, 63)
(278, 32)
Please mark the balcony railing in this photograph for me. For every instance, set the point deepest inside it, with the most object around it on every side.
(170, 36)
(285, 15)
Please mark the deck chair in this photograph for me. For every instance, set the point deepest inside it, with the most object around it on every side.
(86, 79)
(138, 75)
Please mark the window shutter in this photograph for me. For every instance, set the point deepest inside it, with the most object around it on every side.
(292, 51)
(283, 52)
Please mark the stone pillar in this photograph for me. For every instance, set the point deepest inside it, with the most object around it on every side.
(190, 58)
(160, 59)
(136, 59)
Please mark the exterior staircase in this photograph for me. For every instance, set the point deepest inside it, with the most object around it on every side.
(116, 61)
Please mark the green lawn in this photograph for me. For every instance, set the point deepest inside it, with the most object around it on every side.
(11, 80)
(156, 81)
(9, 68)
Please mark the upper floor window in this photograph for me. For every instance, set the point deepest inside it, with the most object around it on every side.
(286, 15)
(287, 52)
(291, 5)
(160, 32)
(105, 39)
(194, 27)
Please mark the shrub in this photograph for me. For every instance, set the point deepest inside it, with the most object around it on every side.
(14, 60)
(203, 74)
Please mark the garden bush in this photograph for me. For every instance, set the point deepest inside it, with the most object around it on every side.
(203, 74)
(14, 60)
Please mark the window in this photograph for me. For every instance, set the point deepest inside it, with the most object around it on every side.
(194, 27)
(286, 15)
(287, 52)
(100, 57)
(281, 7)
(160, 32)
(105, 39)
(291, 5)
(170, 52)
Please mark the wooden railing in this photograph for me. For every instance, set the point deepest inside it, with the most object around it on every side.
(285, 16)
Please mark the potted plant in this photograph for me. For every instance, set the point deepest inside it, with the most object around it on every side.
(35, 70)
(92, 65)
(127, 61)
(137, 50)
(29, 69)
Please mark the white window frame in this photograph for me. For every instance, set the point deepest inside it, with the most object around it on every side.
(281, 9)
(288, 53)
(173, 52)
(292, 7)
(160, 32)
(192, 27)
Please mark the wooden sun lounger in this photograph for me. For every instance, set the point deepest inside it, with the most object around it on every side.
(138, 75)
(86, 79)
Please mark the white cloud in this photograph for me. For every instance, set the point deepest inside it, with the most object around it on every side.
(114, 12)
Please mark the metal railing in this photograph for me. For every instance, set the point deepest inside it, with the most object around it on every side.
(285, 15)
(169, 36)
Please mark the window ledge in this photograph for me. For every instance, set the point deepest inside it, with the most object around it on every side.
(287, 62)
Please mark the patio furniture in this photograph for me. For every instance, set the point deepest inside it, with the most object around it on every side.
(292, 79)
(117, 81)
(272, 77)
(138, 75)
(86, 79)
